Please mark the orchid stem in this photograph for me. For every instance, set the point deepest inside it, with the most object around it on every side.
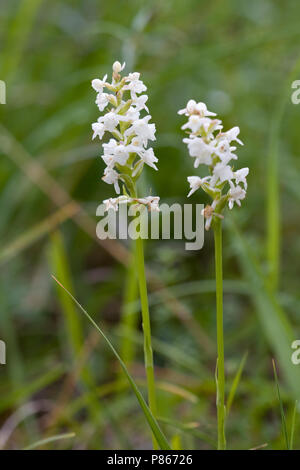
(220, 373)
(148, 354)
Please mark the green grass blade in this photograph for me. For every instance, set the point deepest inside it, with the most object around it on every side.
(236, 382)
(73, 329)
(275, 324)
(293, 425)
(59, 264)
(272, 179)
(283, 419)
(57, 437)
(159, 436)
(176, 442)
(190, 428)
(18, 33)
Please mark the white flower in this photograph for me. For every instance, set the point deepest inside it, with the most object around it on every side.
(121, 154)
(224, 151)
(135, 85)
(232, 134)
(126, 153)
(109, 147)
(109, 160)
(195, 108)
(189, 109)
(208, 212)
(216, 152)
(131, 115)
(112, 177)
(240, 176)
(236, 195)
(142, 129)
(194, 123)
(140, 102)
(203, 125)
(115, 152)
(148, 157)
(102, 100)
(210, 125)
(201, 109)
(98, 84)
(113, 203)
(196, 182)
(221, 172)
(200, 150)
(152, 202)
(110, 121)
(98, 129)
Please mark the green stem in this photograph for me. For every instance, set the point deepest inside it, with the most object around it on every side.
(148, 354)
(129, 315)
(220, 374)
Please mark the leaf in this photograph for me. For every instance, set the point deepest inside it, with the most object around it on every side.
(57, 437)
(276, 325)
(159, 436)
(293, 425)
(236, 382)
(283, 420)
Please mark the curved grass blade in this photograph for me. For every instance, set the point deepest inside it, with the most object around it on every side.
(236, 382)
(283, 420)
(293, 425)
(42, 442)
(159, 436)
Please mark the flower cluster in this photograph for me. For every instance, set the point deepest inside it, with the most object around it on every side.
(208, 145)
(151, 202)
(127, 150)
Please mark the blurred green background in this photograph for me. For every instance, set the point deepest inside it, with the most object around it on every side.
(240, 58)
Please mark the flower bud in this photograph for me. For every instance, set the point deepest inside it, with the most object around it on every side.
(190, 107)
(117, 67)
